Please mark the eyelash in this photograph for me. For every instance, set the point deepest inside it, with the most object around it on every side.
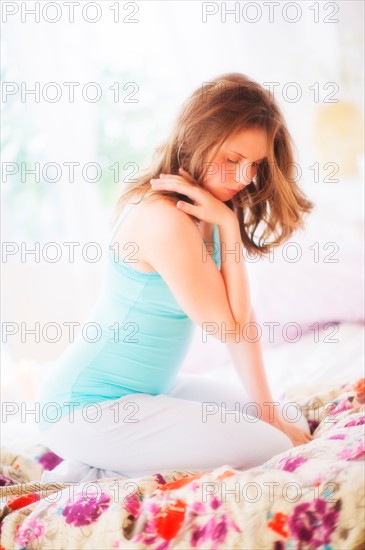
(256, 164)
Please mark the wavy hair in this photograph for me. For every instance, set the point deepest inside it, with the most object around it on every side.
(272, 206)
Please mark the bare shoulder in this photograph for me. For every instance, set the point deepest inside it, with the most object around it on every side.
(163, 209)
(159, 218)
(154, 219)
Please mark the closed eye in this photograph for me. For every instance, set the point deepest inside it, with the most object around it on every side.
(254, 164)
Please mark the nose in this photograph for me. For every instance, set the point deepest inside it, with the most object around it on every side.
(245, 174)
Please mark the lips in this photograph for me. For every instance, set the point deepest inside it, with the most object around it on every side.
(231, 192)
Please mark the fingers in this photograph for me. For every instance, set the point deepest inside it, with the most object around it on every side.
(169, 182)
(300, 437)
(308, 438)
(186, 174)
(170, 176)
(187, 207)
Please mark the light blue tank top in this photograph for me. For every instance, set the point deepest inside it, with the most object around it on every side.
(140, 336)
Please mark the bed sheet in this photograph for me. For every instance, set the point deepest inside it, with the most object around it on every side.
(312, 496)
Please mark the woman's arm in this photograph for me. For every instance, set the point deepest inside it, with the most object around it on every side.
(249, 364)
(248, 361)
(226, 290)
(246, 350)
(234, 273)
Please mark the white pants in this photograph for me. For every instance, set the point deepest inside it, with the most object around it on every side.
(200, 424)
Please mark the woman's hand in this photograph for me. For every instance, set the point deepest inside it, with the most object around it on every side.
(206, 207)
(297, 435)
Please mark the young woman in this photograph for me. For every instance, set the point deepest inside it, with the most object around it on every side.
(222, 182)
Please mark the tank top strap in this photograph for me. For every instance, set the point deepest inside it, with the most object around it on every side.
(127, 208)
(215, 228)
(217, 250)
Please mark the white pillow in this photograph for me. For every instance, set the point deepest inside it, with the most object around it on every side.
(325, 283)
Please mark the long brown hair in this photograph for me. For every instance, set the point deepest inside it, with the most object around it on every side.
(272, 205)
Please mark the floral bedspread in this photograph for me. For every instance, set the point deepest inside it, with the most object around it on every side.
(311, 497)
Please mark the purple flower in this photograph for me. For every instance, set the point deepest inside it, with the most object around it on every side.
(198, 536)
(86, 510)
(314, 522)
(132, 504)
(337, 436)
(50, 460)
(356, 422)
(215, 503)
(313, 425)
(220, 532)
(214, 529)
(5, 481)
(160, 479)
(292, 464)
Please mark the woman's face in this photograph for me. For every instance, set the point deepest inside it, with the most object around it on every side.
(235, 164)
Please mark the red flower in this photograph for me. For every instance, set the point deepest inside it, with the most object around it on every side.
(169, 521)
(178, 483)
(20, 502)
(278, 523)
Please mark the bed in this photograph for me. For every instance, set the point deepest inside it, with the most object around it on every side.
(309, 497)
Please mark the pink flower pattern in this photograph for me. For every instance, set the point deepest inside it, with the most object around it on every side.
(160, 519)
(30, 530)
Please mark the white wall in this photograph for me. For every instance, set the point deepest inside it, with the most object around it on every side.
(177, 50)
